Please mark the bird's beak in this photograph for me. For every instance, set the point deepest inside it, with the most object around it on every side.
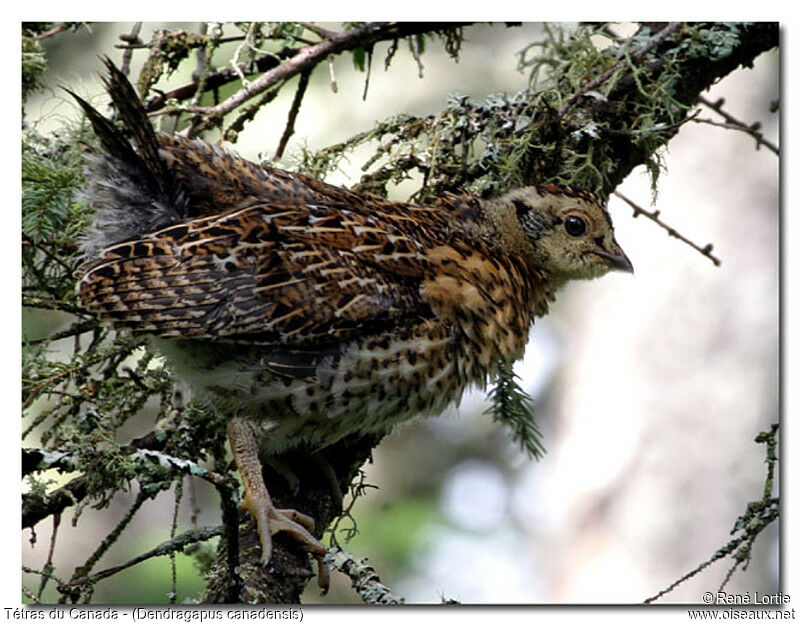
(618, 261)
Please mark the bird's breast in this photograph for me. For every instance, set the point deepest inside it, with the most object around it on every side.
(490, 301)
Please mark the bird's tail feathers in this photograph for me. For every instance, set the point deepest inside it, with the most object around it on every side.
(131, 190)
(135, 119)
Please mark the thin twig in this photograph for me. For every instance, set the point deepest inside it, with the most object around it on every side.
(334, 85)
(173, 594)
(656, 128)
(247, 113)
(171, 546)
(149, 44)
(29, 241)
(751, 129)
(357, 489)
(132, 38)
(368, 73)
(34, 598)
(200, 72)
(757, 517)
(749, 536)
(720, 554)
(93, 360)
(51, 304)
(414, 46)
(293, 111)
(48, 574)
(654, 216)
(236, 65)
(635, 56)
(194, 506)
(48, 565)
(204, 67)
(307, 58)
(216, 80)
(732, 569)
(49, 33)
(112, 537)
(324, 33)
(75, 329)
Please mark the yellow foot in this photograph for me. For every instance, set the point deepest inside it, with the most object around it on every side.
(269, 519)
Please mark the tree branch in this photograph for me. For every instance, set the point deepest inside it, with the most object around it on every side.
(75, 329)
(177, 544)
(219, 79)
(757, 517)
(363, 577)
(289, 571)
(752, 129)
(293, 111)
(36, 506)
(654, 217)
(131, 38)
(635, 56)
(516, 140)
(53, 31)
(309, 57)
(693, 74)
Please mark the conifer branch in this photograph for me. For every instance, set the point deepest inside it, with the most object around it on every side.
(513, 407)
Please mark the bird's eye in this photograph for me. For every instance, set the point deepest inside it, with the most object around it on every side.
(575, 226)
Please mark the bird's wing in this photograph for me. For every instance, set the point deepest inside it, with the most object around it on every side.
(274, 274)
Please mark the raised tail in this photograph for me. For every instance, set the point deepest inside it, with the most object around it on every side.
(131, 190)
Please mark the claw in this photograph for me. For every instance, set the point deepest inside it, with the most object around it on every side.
(269, 519)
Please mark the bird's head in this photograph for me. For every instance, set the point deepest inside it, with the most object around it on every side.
(569, 234)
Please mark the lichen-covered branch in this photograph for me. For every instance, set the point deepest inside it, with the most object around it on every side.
(687, 63)
(308, 57)
(177, 544)
(556, 130)
(634, 56)
(37, 506)
(363, 577)
(289, 572)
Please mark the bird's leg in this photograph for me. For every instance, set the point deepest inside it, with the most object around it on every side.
(330, 476)
(285, 471)
(269, 519)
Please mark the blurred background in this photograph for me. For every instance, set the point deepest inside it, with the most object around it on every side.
(649, 389)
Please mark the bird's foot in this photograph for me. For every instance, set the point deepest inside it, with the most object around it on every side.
(271, 520)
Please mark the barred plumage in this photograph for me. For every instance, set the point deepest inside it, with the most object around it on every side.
(303, 311)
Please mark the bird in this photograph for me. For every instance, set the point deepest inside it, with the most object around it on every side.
(301, 311)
